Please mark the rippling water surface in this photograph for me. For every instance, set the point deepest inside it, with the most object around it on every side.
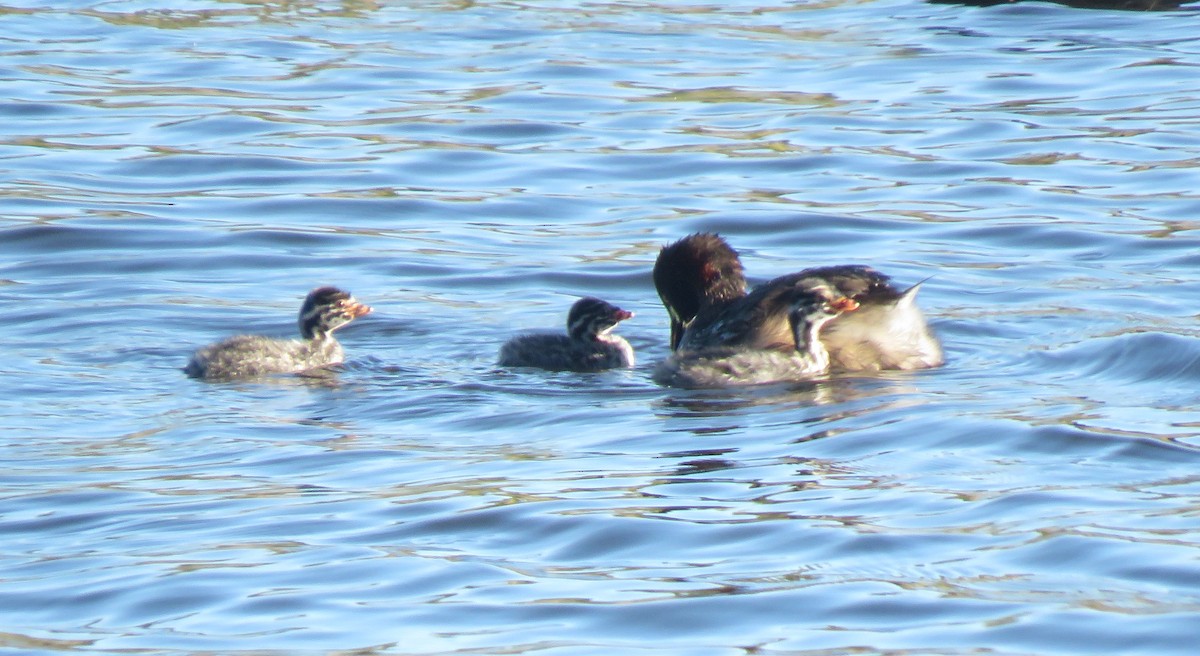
(174, 172)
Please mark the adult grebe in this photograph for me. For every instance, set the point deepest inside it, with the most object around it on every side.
(701, 282)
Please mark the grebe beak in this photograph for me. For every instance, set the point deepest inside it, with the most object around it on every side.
(677, 329)
(357, 309)
(844, 304)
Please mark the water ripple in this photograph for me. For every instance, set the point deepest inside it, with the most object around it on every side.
(178, 173)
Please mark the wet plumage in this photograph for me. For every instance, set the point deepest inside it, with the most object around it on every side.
(588, 345)
(726, 358)
(701, 283)
(325, 309)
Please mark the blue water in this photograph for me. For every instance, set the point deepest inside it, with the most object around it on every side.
(176, 172)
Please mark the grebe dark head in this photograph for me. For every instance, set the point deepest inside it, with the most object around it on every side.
(591, 318)
(326, 309)
(697, 271)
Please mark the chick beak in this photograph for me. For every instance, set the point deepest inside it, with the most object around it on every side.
(844, 304)
(356, 309)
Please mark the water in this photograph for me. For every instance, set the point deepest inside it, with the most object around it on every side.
(177, 172)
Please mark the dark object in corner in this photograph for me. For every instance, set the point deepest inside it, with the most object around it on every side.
(1124, 5)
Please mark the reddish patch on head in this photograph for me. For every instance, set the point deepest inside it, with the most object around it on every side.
(844, 304)
(357, 309)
